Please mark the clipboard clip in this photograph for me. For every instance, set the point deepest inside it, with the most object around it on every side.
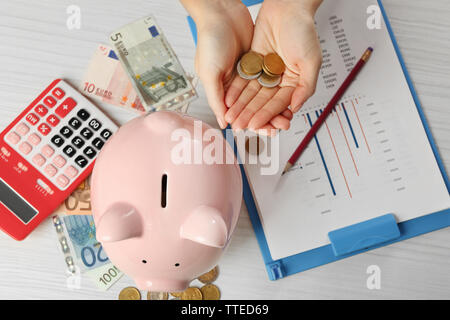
(364, 235)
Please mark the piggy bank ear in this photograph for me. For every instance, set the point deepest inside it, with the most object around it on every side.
(206, 226)
(120, 222)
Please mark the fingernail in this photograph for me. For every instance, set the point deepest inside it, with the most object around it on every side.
(222, 123)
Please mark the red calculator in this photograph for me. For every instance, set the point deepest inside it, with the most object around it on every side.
(45, 153)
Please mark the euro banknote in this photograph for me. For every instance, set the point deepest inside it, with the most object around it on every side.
(151, 65)
(83, 254)
(106, 80)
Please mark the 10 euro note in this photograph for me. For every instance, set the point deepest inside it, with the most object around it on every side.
(105, 79)
(151, 65)
(83, 254)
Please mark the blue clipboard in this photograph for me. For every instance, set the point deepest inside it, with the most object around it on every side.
(357, 238)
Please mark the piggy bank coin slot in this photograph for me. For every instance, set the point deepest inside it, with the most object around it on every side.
(164, 191)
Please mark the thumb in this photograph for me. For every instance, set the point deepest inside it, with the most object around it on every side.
(305, 88)
(216, 97)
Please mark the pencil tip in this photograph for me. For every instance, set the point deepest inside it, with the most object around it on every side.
(370, 49)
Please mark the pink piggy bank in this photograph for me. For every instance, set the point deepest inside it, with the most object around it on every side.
(162, 222)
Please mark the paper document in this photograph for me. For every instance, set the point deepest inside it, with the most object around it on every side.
(372, 155)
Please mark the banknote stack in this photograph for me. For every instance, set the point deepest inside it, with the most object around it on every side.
(267, 69)
(151, 65)
(107, 81)
(208, 291)
(83, 254)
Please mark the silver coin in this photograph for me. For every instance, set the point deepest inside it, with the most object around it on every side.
(243, 75)
(269, 84)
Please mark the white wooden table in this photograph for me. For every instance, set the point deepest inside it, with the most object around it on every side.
(37, 47)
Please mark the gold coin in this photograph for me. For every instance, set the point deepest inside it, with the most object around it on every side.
(130, 293)
(177, 294)
(250, 144)
(273, 64)
(192, 293)
(210, 276)
(153, 295)
(210, 292)
(251, 63)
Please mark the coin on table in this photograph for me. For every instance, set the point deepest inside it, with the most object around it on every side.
(130, 293)
(251, 63)
(269, 81)
(210, 292)
(177, 294)
(254, 145)
(192, 293)
(154, 295)
(210, 276)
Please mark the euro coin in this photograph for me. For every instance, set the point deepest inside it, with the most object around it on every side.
(273, 65)
(177, 294)
(192, 293)
(210, 276)
(130, 293)
(243, 75)
(254, 145)
(269, 81)
(251, 63)
(153, 295)
(210, 292)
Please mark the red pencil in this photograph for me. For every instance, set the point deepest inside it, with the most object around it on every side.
(338, 95)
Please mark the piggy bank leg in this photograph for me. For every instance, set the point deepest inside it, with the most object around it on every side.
(162, 285)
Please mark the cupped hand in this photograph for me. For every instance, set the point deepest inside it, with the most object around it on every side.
(225, 31)
(287, 28)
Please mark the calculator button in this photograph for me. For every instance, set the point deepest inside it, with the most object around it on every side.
(25, 148)
(90, 152)
(106, 134)
(74, 123)
(98, 143)
(95, 124)
(66, 131)
(69, 151)
(81, 161)
(50, 101)
(38, 160)
(78, 142)
(52, 120)
(22, 129)
(83, 114)
(86, 133)
(13, 138)
(47, 151)
(62, 181)
(59, 161)
(65, 107)
(50, 170)
(58, 93)
(44, 129)
(57, 140)
(32, 118)
(34, 139)
(41, 110)
(71, 172)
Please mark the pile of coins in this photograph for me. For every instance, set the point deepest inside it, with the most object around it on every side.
(207, 292)
(267, 69)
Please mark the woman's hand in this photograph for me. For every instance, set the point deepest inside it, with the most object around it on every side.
(225, 32)
(286, 27)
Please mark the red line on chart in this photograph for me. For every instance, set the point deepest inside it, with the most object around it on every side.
(362, 130)
(339, 161)
(304, 117)
(348, 146)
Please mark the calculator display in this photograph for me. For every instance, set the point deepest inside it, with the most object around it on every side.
(15, 203)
